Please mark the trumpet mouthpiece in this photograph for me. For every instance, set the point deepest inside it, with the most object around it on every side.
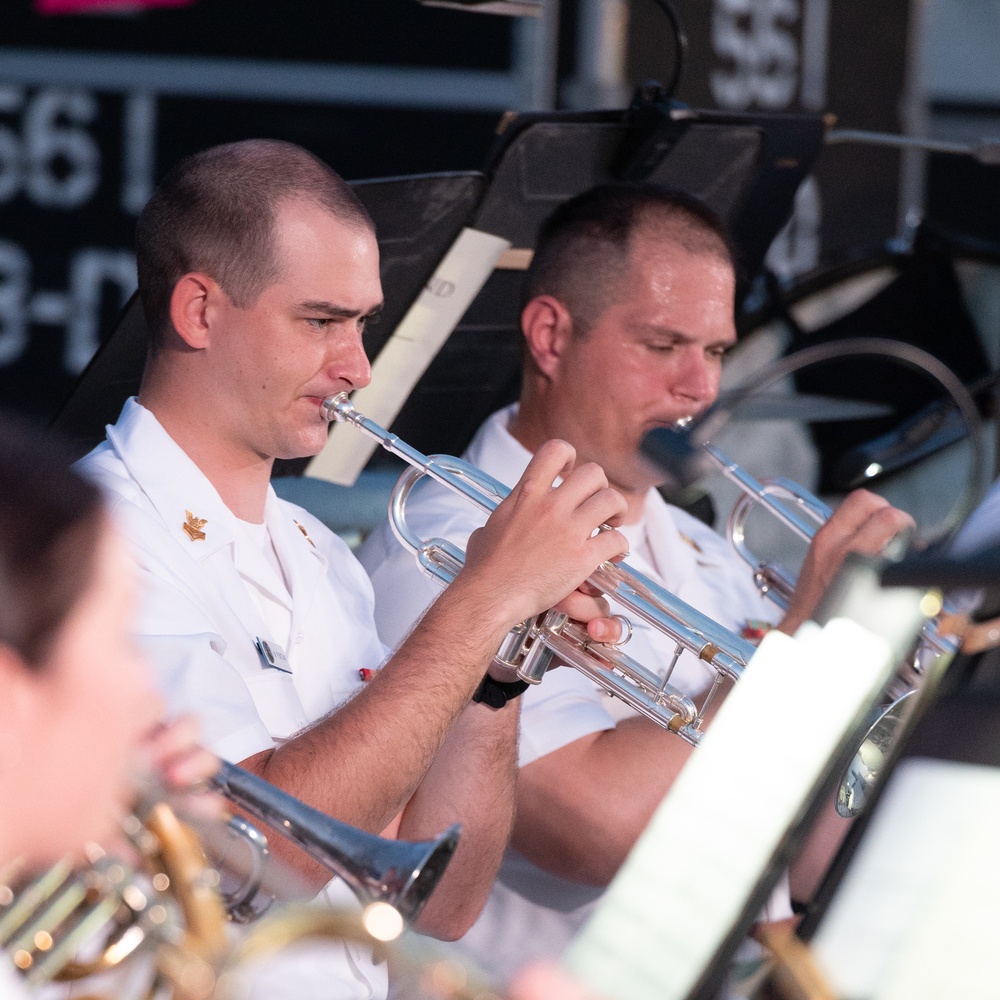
(337, 407)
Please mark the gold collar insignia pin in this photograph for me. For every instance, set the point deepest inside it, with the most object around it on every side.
(306, 533)
(193, 525)
(689, 541)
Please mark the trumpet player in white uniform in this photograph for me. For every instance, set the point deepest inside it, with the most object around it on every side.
(258, 270)
(628, 313)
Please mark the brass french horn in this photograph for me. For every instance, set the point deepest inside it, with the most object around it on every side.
(167, 903)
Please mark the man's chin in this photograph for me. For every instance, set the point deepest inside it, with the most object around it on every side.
(640, 477)
(307, 446)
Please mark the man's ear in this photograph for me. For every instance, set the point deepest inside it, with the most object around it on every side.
(547, 328)
(189, 308)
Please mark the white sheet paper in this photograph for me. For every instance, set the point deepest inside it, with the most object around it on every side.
(918, 912)
(692, 872)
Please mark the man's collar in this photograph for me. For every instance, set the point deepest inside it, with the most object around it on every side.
(182, 494)
(496, 451)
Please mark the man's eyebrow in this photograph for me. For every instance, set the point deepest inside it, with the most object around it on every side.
(339, 312)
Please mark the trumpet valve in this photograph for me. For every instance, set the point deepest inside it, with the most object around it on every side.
(539, 656)
(511, 651)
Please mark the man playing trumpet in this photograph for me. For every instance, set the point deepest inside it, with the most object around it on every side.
(258, 269)
(628, 313)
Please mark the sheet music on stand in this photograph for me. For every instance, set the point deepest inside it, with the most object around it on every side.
(917, 912)
(720, 840)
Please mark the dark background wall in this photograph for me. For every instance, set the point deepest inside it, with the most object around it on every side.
(94, 109)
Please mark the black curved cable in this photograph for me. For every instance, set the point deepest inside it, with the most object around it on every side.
(680, 45)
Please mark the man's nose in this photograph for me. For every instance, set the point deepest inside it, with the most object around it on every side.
(350, 364)
(697, 378)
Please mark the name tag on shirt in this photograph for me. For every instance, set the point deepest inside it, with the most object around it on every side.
(272, 654)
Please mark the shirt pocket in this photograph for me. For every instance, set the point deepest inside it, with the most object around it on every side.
(277, 702)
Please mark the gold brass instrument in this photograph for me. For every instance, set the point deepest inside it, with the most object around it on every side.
(170, 910)
(418, 970)
(533, 645)
(170, 904)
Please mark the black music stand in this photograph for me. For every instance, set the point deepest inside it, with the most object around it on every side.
(746, 166)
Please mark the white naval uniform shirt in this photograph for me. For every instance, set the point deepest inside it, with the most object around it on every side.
(198, 621)
(532, 913)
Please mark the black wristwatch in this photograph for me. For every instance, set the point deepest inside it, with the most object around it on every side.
(496, 694)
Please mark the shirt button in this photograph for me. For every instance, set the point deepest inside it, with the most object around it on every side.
(298, 637)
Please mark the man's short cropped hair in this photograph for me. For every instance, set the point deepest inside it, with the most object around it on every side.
(582, 253)
(214, 213)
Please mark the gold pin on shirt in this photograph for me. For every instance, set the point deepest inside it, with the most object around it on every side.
(689, 541)
(193, 525)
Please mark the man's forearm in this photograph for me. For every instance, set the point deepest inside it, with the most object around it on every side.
(363, 762)
(581, 808)
(472, 782)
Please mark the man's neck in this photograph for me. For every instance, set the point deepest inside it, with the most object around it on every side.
(532, 434)
(240, 479)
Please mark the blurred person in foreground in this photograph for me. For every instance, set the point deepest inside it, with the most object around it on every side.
(78, 717)
(628, 312)
(258, 270)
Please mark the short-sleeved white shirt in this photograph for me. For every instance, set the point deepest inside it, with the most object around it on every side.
(532, 913)
(200, 624)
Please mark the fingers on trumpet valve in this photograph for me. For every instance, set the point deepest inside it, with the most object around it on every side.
(170, 764)
(544, 540)
(864, 522)
(583, 492)
(171, 750)
(612, 630)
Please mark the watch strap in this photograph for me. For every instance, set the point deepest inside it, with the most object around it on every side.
(496, 694)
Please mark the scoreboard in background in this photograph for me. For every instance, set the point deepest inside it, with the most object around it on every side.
(95, 108)
(853, 60)
(75, 168)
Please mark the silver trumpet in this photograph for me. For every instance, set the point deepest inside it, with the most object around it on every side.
(532, 646)
(796, 508)
(804, 513)
(799, 510)
(398, 872)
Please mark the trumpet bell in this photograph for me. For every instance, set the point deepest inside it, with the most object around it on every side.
(858, 782)
(398, 872)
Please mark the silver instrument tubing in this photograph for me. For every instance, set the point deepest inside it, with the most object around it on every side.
(801, 511)
(612, 669)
